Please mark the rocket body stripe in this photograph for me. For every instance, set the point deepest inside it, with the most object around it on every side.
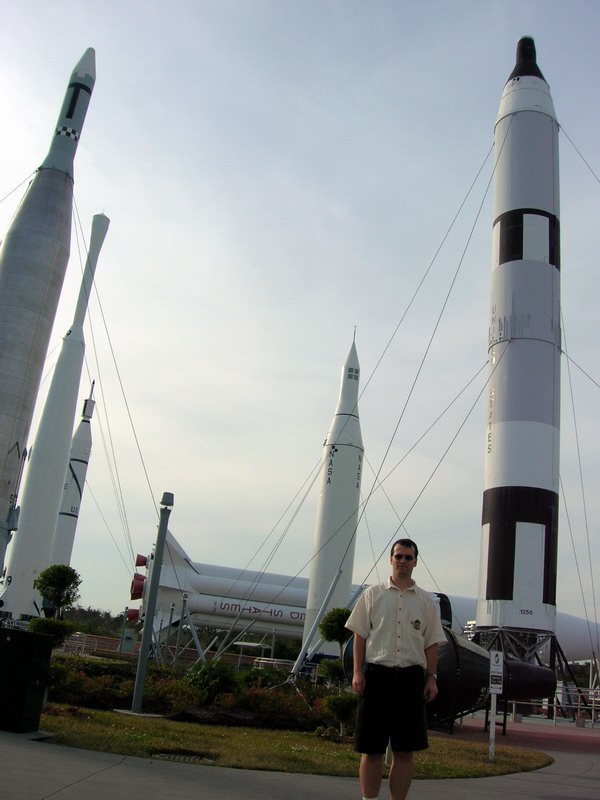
(339, 499)
(72, 115)
(504, 508)
(517, 586)
(528, 234)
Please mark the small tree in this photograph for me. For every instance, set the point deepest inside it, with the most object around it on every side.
(58, 585)
(333, 626)
(332, 672)
(343, 707)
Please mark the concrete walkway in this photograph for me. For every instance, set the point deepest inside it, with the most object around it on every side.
(37, 770)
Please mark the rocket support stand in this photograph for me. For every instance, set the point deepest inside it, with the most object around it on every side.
(523, 645)
(302, 655)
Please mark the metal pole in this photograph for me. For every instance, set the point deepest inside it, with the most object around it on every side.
(492, 746)
(150, 609)
(194, 634)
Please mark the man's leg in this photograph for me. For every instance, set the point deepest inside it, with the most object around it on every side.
(400, 776)
(370, 771)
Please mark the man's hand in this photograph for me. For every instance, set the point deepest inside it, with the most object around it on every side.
(358, 682)
(358, 676)
(431, 689)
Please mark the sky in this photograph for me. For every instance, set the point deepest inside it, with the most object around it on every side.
(280, 175)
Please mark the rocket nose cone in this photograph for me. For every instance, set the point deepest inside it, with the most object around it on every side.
(526, 60)
(526, 49)
(87, 64)
(349, 383)
(352, 358)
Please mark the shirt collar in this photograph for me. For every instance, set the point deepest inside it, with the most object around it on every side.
(391, 585)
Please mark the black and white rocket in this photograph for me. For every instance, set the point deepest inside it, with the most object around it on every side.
(33, 261)
(30, 550)
(79, 459)
(339, 500)
(517, 586)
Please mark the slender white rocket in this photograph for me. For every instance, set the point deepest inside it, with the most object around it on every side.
(339, 499)
(68, 516)
(30, 550)
(517, 586)
(33, 261)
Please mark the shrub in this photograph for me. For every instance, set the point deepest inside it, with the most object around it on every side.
(279, 707)
(59, 676)
(261, 678)
(107, 685)
(210, 679)
(56, 628)
(98, 666)
(166, 694)
(341, 705)
(77, 688)
(328, 732)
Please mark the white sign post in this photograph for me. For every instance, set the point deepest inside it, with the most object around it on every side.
(496, 676)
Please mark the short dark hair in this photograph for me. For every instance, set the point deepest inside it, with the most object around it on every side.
(405, 543)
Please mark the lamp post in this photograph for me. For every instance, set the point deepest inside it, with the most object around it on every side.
(150, 606)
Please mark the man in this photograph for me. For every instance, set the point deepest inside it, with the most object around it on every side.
(397, 631)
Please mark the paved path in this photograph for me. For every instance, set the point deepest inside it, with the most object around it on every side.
(35, 770)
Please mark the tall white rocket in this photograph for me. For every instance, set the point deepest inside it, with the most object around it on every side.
(339, 500)
(30, 550)
(33, 261)
(517, 586)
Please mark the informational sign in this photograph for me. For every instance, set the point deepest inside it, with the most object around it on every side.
(496, 671)
(496, 676)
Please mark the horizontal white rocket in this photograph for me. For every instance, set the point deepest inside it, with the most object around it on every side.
(219, 596)
(33, 261)
(517, 586)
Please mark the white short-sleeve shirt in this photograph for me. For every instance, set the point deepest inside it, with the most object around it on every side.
(398, 624)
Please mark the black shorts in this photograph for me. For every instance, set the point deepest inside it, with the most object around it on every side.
(392, 708)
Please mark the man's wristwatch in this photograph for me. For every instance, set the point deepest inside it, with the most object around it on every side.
(432, 675)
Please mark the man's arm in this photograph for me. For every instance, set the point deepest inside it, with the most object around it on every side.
(358, 651)
(431, 689)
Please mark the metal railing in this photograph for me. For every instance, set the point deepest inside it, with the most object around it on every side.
(584, 711)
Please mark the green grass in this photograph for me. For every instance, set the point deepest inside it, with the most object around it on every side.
(250, 748)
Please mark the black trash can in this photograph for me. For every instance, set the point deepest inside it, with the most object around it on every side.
(24, 665)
